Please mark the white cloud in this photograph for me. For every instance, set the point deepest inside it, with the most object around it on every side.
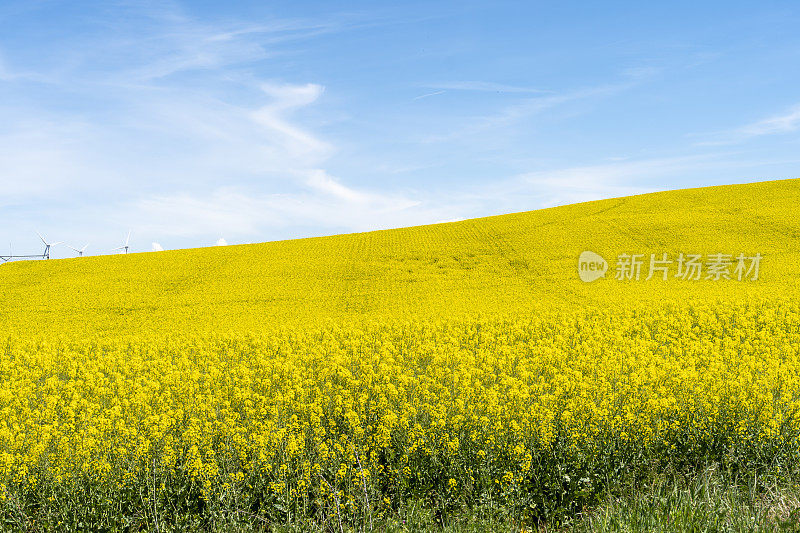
(624, 177)
(319, 180)
(157, 247)
(155, 40)
(39, 156)
(200, 161)
(170, 125)
(5, 72)
(221, 242)
(530, 106)
(288, 96)
(133, 128)
(785, 123)
(260, 216)
(484, 86)
(273, 117)
(426, 95)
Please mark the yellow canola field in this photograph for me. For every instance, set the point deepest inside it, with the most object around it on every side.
(315, 420)
(452, 363)
(504, 266)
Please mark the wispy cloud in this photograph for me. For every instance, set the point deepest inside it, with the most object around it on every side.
(248, 214)
(40, 156)
(426, 95)
(5, 73)
(319, 180)
(485, 86)
(273, 117)
(786, 122)
(172, 157)
(149, 42)
(622, 177)
(187, 121)
(528, 107)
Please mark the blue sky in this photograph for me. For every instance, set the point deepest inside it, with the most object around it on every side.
(191, 122)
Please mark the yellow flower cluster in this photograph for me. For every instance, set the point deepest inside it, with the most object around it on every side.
(328, 415)
(450, 363)
(506, 266)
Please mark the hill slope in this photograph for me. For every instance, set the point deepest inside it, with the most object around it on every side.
(503, 265)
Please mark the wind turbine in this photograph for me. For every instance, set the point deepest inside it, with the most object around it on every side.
(47, 245)
(124, 246)
(80, 252)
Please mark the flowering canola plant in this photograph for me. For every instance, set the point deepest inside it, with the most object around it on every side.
(296, 421)
(363, 402)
